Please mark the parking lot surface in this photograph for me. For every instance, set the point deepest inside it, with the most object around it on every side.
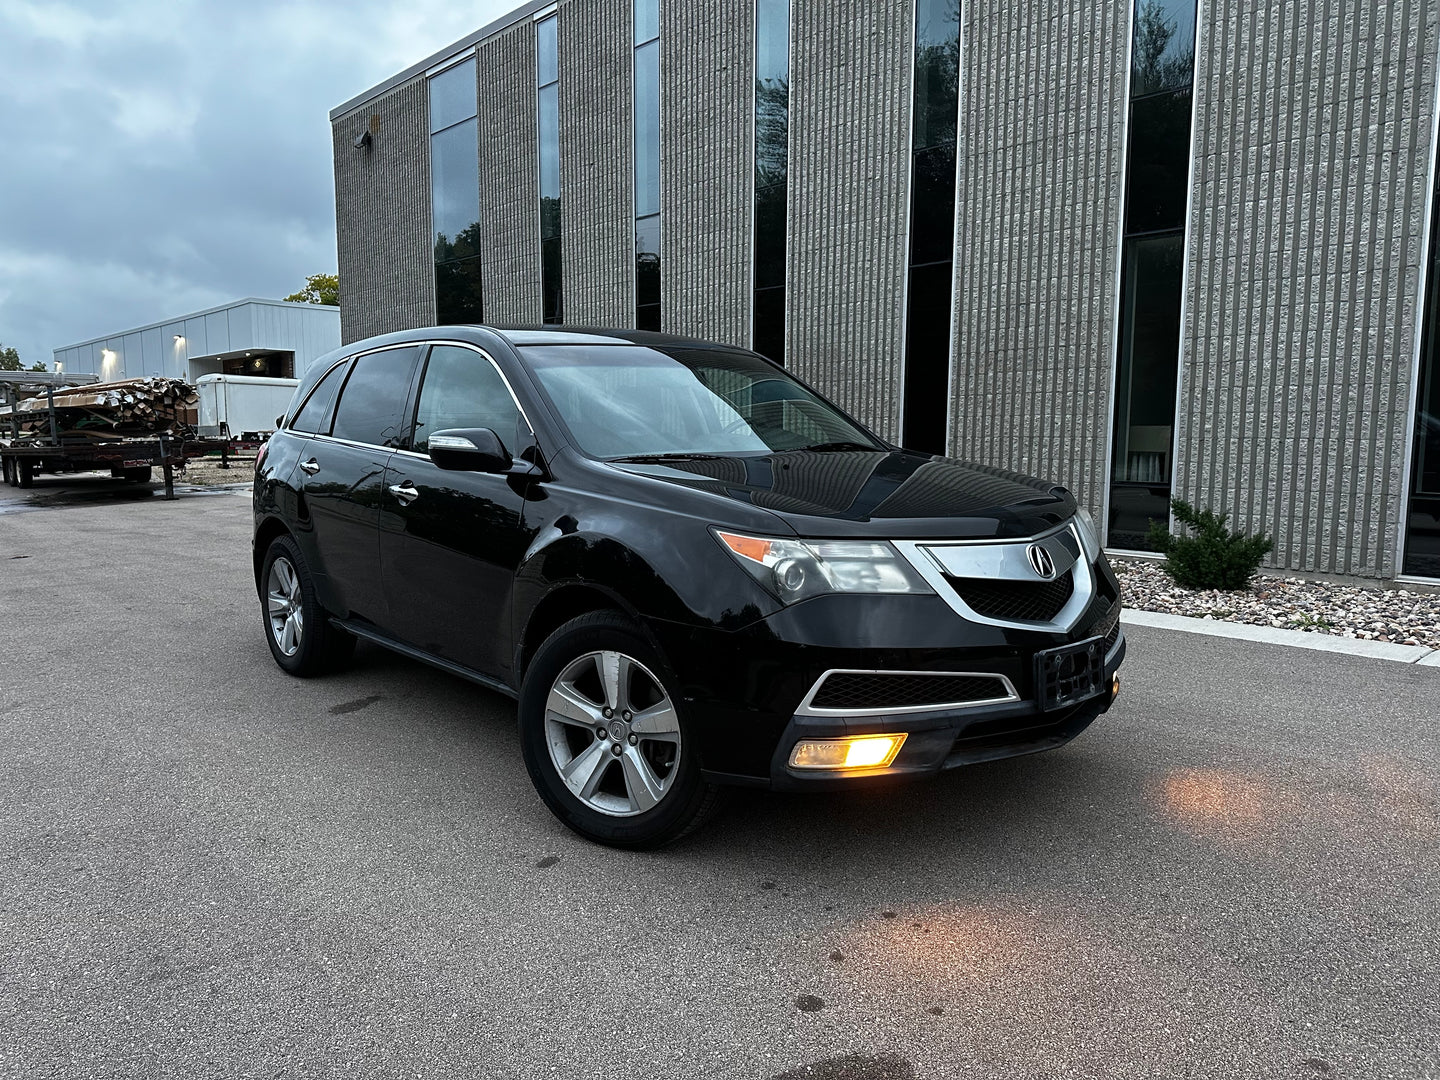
(208, 868)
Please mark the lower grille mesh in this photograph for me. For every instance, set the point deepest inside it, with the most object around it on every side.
(857, 690)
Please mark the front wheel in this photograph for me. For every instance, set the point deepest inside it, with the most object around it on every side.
(300, 636)
(605, 740)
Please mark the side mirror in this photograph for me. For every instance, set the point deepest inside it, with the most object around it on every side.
(469, 450)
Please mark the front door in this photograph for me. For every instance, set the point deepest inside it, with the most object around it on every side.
(451, 541)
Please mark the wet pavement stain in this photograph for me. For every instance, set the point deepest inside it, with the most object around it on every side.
(767, 884)
(809, 1003)
(548, 861)
(1320, 1065)
(355, 706)
(853, 1067)
(837, 956)
(935, 1010)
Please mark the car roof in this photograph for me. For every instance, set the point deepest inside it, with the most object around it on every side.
(585, 335)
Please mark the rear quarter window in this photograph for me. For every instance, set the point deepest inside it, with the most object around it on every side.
(311, 417)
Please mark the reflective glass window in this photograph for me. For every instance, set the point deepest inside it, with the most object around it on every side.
(547, 47)
(453, 96)
(455, 191)
(371, 407)
(459, 296)
(549, 127)
(1163, 46)
(1156, 192)
(932, 221)
(937, 71)
(927, 357)
(462, 389)
(770, 236)
(647, 21)
(1422, 537)
(552, 296)
(932, 224)
(769, 336)
(647, 130)
(647, 272)
(772, 150)
(1145, 387)
(772, 91)
(311, 417)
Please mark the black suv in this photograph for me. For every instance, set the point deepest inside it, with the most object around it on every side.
(690, 568)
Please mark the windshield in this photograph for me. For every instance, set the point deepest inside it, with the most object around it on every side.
(637, 402)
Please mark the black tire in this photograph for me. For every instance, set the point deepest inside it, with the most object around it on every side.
(668, 760)
(140, 474)
(25, 469)
(314, 645)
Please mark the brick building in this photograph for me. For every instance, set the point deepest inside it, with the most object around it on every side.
(1140, 248)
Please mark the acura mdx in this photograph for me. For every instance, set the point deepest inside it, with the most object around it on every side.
(689, 568)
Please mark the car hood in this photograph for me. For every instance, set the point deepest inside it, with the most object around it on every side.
(895, 494)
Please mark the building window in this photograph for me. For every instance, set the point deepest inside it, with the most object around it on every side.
(455, 195)
(932, 224)
(772, 154)
(647, 164)
(1162, 69)
(1422, 535)
(547, 81)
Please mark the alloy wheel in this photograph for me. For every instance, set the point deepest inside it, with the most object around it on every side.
(613, 733)
(283, 606)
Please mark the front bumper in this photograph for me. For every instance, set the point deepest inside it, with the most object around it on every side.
(744, 690)
(944, 740)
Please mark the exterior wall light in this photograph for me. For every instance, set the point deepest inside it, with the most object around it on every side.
(364, 141)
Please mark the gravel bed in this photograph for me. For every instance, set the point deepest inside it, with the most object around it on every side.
(1403, 616)
(207, 471)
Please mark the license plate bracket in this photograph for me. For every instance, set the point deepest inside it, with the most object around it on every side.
(1069, 674)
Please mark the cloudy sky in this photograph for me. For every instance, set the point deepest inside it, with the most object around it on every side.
(162, 156)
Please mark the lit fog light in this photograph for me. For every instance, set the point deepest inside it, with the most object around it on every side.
(858, 752)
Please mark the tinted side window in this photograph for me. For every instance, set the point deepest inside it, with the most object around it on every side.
(317, 406)
(462, 389)
(372, 405)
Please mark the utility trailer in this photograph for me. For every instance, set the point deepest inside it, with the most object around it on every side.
(242, 407)
(128, 456)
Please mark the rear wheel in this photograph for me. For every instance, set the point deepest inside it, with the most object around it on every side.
(296, 627)
(605, 740)
(25, 470)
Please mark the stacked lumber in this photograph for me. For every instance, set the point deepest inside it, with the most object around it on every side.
(129, 408)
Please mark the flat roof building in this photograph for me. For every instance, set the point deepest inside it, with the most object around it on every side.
(252, 336)
(1140, 247)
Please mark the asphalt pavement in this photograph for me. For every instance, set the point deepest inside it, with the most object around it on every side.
(208, 868)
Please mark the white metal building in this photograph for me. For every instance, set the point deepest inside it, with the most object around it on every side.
(247, 337)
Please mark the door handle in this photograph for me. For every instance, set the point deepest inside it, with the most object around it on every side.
(312, 466)
(406, 492)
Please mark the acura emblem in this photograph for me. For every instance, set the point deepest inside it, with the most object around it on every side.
(1041, 562)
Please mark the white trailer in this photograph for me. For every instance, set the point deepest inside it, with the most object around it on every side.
(242, 407)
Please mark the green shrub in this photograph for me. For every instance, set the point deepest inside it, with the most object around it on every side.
(1207, 555)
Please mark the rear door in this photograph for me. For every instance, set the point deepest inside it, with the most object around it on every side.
(451, 540)
(344, 474)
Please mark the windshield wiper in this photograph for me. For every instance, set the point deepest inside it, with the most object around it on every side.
(641, 459)
(826, 446)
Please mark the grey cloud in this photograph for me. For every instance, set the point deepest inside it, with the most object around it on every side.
(160, 157)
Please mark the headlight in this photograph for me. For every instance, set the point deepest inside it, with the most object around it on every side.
(798, 569)
(1089, 534)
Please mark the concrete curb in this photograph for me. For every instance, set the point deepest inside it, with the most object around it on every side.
(1297, 639)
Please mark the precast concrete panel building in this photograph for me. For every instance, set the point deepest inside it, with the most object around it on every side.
(1148, 248)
